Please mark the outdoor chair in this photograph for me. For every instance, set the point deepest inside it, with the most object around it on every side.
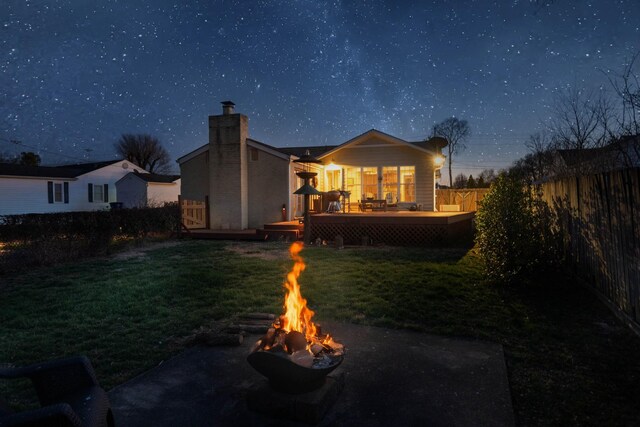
(68, 392)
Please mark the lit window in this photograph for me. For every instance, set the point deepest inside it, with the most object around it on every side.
(407, 184)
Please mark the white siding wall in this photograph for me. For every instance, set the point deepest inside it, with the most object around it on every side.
(132, 192)
(19, 195)
(158, 194)
(392, 155)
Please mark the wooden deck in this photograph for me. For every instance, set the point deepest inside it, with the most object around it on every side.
(398, 228)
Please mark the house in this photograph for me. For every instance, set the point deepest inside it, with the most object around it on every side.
(620, 154)
(137, 189)
(46, 189)
(249, 183)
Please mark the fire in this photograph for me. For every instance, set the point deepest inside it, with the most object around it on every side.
(293, 335)
(297, 316)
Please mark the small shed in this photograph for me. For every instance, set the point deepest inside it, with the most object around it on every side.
(137, 190)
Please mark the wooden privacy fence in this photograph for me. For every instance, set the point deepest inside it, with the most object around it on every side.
(194, 213)
(600, 219)
(466, 198)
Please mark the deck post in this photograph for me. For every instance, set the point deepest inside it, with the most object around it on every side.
(207, 209)
(179, 231)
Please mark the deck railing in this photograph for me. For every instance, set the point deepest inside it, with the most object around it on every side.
(466, 198)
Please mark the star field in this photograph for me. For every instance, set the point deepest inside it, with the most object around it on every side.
(76, 74)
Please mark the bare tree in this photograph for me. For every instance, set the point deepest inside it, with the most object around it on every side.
(539, 160)
(627, 87)
(456, 132)
(581, 119)
(145, 151)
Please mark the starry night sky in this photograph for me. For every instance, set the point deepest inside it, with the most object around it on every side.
(75, 74)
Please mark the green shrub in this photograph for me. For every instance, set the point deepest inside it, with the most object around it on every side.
(517, 233)
(41, 239)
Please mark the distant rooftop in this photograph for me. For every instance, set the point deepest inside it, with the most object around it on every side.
(64, 171)
(153, 177)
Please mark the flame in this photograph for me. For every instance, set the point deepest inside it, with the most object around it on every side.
(297, 315)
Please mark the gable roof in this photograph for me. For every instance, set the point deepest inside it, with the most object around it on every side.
(11, 169)
(190, 155)
(156, 178)
(83, 168)
(429, 146)
(64, 171)
(622, 153)
(268, 148)
(382, 135)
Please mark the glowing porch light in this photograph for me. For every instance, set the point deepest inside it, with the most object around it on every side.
(438, 160)
(333, 167)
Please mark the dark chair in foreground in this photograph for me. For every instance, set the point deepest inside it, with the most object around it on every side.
(68, 392)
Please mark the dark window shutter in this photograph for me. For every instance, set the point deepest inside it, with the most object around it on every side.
(66, 192)
(50, 191)
(106, 193)
(91, 192)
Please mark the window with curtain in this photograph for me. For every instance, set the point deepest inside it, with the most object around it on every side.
(407, 184)
(390, 184)
(353, 183)
(370, 183)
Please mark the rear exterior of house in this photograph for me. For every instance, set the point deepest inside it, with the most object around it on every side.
(45, 189)
(249, 183)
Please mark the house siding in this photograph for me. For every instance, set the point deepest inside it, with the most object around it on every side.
(160, 193)
(194, 177)
(268, 183)
(393, 155)
(21, 195)
(132, 192)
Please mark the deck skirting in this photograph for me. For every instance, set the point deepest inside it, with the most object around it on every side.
(437, 229)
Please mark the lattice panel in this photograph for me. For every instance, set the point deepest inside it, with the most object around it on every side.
(390, 234)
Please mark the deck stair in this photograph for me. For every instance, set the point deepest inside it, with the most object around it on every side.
(288, 230)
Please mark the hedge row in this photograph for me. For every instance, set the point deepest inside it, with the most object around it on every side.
(39, 239)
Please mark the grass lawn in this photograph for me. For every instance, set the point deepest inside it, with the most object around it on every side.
(569, 361)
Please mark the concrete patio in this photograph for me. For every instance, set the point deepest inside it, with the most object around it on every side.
(392, 378)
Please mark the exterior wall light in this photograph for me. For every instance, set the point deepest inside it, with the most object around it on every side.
(438, 160)
(332, 167)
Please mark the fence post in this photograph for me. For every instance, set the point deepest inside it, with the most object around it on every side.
(180, 217)
(206, 212)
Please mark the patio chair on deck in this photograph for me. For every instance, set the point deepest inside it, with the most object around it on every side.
(68, 392)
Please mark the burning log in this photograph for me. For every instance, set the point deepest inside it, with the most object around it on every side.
(295, 341)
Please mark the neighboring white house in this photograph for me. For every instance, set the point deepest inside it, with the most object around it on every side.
(68, 188)
(249, 183)
(147, 189)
